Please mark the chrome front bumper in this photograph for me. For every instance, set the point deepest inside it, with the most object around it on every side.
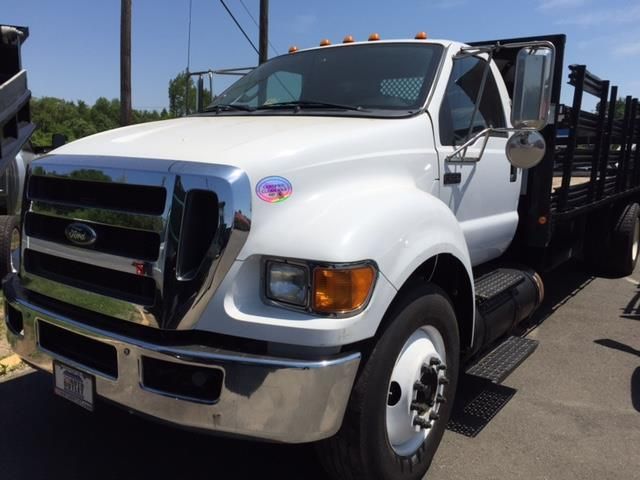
(268, 398)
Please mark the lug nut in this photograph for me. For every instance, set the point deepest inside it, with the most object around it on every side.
(433, 416)
(420, 407)
(434, 361)
(441, 399)
(441, 368)
(444, 381)
(422, 423)
(421, 387)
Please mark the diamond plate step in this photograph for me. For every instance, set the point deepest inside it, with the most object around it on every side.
(496, 282)
(504, 359)
(477, 402)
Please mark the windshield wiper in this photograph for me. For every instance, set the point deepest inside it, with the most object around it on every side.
(304, 104)
(225, 107)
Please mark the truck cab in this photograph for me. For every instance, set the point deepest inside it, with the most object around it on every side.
(312, 258)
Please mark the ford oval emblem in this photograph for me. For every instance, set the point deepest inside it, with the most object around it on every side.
(80, 234)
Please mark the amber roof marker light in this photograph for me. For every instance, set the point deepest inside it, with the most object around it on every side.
(293, 49)
(325, 42)
(421, 36)
(348, 39)
(374, 37)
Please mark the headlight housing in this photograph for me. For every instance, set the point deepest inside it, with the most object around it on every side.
(326, 289)
(287, 283)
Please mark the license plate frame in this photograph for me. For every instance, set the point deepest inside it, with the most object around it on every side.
(74, 385)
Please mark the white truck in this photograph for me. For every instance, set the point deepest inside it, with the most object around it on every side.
(317, 256)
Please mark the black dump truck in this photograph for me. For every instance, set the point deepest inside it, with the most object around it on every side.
(15, 130)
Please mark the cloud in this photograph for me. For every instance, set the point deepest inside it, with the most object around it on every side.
(553, 4)
(599, 17)
(627, 49)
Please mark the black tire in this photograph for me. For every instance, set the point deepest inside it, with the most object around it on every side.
(8, 224)
(361, 449)
(624, 247)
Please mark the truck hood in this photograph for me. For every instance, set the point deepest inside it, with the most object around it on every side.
(260, 145)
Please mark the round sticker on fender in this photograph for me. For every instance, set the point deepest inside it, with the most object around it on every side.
(274, 189)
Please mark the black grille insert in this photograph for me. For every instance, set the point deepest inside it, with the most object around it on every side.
(125, 286)
(136, 244)
(199, 226)
(184, 381)
(105, 194)
(96, 355)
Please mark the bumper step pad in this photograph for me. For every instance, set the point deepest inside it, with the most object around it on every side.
(498, 364)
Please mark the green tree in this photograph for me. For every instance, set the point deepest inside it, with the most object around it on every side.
(177, 90)
(620, 104)
(76, 120)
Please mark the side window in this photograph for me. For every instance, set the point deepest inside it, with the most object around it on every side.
(459, 102)
(284, 87)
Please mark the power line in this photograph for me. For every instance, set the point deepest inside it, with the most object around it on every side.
(239, 26)
(257, 25)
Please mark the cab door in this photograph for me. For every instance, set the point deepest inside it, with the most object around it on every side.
(483, 194)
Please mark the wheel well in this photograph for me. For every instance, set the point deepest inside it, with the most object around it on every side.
(449, 273)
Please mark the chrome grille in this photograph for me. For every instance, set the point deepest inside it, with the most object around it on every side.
(164, 235)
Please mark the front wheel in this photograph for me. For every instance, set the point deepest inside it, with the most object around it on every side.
(403, 396)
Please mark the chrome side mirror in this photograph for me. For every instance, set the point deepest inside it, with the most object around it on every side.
(532, 88)
(526, 149)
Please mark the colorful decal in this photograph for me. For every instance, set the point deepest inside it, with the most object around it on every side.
(274, 189)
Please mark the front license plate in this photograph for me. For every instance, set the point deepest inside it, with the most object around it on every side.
(74, 385)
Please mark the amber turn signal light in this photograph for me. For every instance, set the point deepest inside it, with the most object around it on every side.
(342, 290)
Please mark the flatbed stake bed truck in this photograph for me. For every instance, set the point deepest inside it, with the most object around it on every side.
(317, 255)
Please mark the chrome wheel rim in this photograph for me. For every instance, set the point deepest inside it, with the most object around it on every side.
(14, 254)
(416, 390)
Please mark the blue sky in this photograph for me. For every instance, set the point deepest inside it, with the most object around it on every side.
(74, 44)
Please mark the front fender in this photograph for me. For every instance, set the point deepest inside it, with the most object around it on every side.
(388, 220)
(392, 223)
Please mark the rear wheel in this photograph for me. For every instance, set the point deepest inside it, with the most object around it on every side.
(403, 396)
(625, 241)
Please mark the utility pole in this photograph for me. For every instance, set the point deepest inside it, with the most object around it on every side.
(125, 62)
(264, 31)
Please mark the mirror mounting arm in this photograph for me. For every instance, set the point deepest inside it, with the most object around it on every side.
(455, 156)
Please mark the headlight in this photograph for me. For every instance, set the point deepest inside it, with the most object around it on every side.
(330, 290)
(288, 283)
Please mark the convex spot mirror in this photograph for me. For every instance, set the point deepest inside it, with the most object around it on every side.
(532, 88)
(525, 149)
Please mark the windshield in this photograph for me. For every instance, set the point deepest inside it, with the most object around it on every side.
(383, 79)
